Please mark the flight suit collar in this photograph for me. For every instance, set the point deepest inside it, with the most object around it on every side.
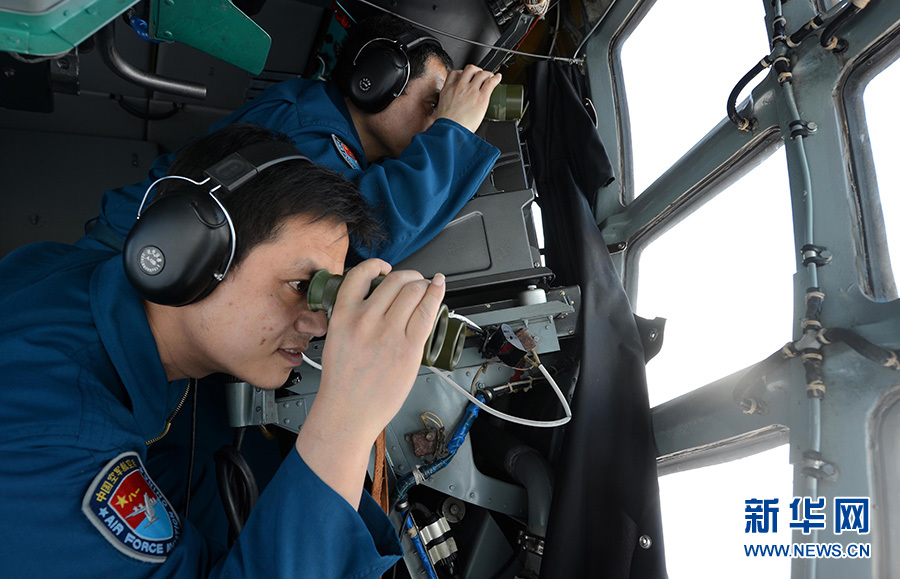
(125, 333)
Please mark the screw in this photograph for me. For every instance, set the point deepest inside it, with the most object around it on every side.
(562, 292)
(654, 333)
(259, 408)
(471, 495)
(828, 469)
(645, 542)
(571, 331)
(812, 127)
(452, 487)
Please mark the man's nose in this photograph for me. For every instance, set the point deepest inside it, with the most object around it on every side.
(314, 323)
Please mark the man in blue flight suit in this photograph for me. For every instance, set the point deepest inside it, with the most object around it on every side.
(414, 155)
(92, 373)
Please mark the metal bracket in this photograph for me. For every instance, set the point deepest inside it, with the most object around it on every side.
(815, 254)
(802, 128)
(531, 543)
(817, 467)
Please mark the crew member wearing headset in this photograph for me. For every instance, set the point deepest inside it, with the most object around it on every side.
(99, 350)
(396, 120)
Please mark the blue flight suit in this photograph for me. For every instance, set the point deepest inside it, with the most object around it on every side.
(82, 387)
(414, 196)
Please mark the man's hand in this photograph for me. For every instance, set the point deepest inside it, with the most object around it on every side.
(466, 95)
(371, 358)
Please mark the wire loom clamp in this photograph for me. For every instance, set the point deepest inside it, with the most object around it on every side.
(815, 254)
(801, 128)
(817, 467)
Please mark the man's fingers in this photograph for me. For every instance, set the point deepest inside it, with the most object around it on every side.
(389, 290)
(358, 280)
(422, 319)
(491, 83)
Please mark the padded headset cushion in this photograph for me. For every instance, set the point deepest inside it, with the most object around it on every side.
(379, 74)
(180, 241)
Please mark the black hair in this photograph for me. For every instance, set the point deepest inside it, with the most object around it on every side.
(383, 26)
(259, 207)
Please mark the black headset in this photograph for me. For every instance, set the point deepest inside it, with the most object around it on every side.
(380, 70)
(183, 243)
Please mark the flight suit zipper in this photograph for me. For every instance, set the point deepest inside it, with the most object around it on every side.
(172, 416)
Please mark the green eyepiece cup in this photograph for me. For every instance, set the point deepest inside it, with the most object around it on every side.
(444, 345)
(454, 341)
(507, 103)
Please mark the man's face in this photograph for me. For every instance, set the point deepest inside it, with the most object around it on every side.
(412, 112)
(256, 324)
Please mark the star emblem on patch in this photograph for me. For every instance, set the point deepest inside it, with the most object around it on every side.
(129, 510)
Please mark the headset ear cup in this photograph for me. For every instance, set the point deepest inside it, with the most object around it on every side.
(380, 72)
(173, 251)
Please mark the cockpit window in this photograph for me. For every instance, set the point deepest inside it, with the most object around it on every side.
(722, 278)
(705, 517)
(677, 95)
(880, 99)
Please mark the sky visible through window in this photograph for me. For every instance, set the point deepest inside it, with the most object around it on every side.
(727, 266)
(881, 116)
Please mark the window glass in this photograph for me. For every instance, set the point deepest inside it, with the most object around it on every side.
(704, 518)
(881, 118)
(676, 94)
(722, 278)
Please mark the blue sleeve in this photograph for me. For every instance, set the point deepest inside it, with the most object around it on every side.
(418, 193)
(302, 528)
(415, 195)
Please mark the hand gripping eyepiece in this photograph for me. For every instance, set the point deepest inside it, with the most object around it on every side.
(445, 342)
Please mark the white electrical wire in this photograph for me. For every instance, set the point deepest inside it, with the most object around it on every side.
(514, 419)
(310, 362)
(466, 321)
(509, 418)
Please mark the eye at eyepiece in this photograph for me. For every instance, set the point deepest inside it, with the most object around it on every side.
(302, 286)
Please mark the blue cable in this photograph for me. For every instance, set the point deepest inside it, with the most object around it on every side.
(140, 26)
(420, 549)
(456, 441)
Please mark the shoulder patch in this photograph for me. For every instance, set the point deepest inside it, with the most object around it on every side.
(130, 511)
(345, 152)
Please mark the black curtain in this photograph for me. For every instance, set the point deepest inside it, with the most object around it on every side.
(606, 498)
